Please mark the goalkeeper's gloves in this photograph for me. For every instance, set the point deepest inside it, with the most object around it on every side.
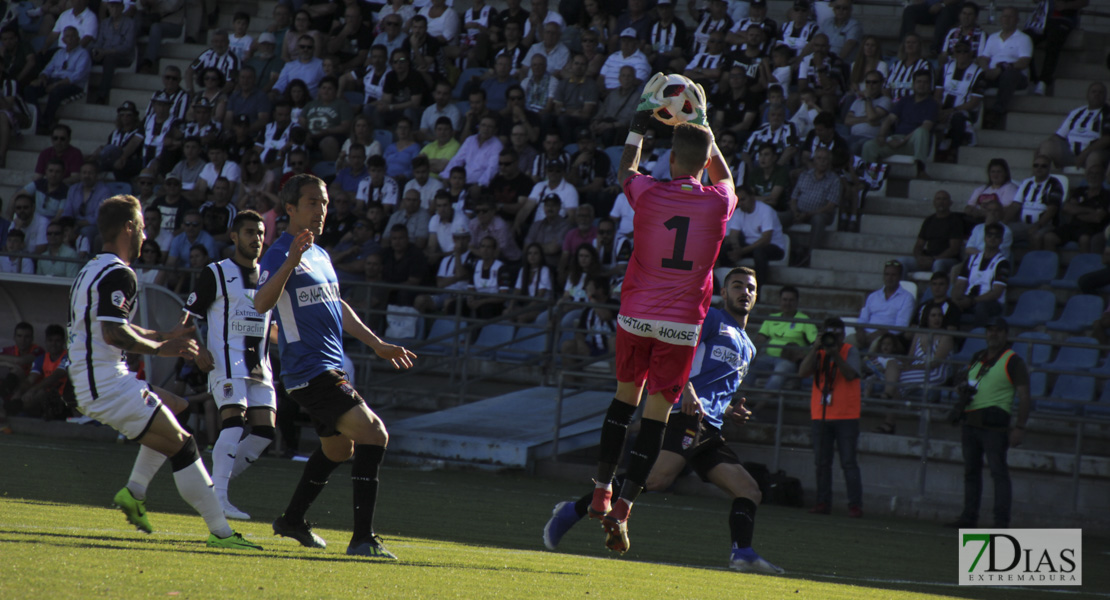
(647, 99)
(640, 122)
(700, 117)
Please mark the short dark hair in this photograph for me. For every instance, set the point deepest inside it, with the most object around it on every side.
(244, 217)
(445, 121)
(825, 119)
(332, 79)
(54, 329)
(115, 213)
(922, 73)
(290, 193)
(241, 16)
(24, 326)
(791, 289)
(421, 160)
(376, 162)
(994, 228)
(833, 323)
(690, 145)
(939, 275)
(973, 6)
(738, 271)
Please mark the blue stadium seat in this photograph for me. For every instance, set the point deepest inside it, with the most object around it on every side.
(529, 344)
(1077, 388)
(1036, 269)
(441, 347)
(491, 336)
(1033, 308)
(1041, 353)
(116, 188)
(1071, 358)
(1079, 266)
(464, 78)
(1078, 314)
(1038, 384)
(971, 346)
(1102, 407)
(384, 137)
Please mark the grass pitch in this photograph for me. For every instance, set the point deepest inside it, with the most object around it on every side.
(458, 535)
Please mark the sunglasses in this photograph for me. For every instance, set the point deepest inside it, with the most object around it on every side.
(296, 164)
(399, 60)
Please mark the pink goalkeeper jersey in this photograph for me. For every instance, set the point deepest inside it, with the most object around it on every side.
(677, 232)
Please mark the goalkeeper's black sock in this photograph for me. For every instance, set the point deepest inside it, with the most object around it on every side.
(741, 522)
(642, 459)
(613, 432)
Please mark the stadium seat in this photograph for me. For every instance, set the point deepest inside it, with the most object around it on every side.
(1033, 308)
(1073, 358)
(1078, 314)
(441, 347)
(1102, 407)
(489, 338)
(464, 78)
(383, 137)
(971, 346)
(1038, 384)
(1041, 352)
(1036, 269)
(529, 344)
(1076, 388)
(1078, 267)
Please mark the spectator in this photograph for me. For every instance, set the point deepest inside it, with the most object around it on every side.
(713, 20)
(239, 40)
(844, 32)
(739, 34)
(362, 132)
(516, 48)
(478, 154)
(961, 96)
(585, 266)
(777, 133)
(84, 198)
(60, 148)
(378, 187)
(835, 411)
(909, 126)
(797, 31)
(768, 182)
(26, 220)
(823, 135)
(63, 79)
(550, 47)
(939, 239)
(341, 219)
(161, 136)
(1051, 22)
(454, 272)
(870, 59)
(903, 72)
(753, 56)
(327, 119)
(628, 55)
(705, 68)
(307, 68)
(203, 126)
(1085, 214)
(423, 182)
(441, 226)
(302, 27)
(477, 109)
(1005, 62)
(443, 148)
(392, 36)
(782, 342)
(50, 192)
(867, 112)
(152, 219)
(199, 257)
(583, 232)
(351, 175)
(1037, 201)
(1000, 375)
(993, 214)
(17, 57)
(553, 151)
(509, 189)
(967, 30)
(617, 109)
(218, 166)
(403, 263)
(596, 328)
(218, 56)
(476, 21)
(172, 206)
(554, 184)
(350, 39)
(429, 59)
(1092, 283)
(350, 254)
(815, 200)
(490, 278)
(498, 85)
(165, 19)
(551, 231)
(191, 235)
(266, 62)
(218, 213)
(939, 298)
(999, 188)
(525, 152)
(123, 154)
(980, 289)
(114, 47)
(613, 252)
(535, 281)
(440, 108)
(941, 14)
(15, 244)
(540, 88)
(591, 173)
(823, 73)
(412, 216)
(487, 223)
(888, 306)
(400, 154)
(18, 360)
(754, 232)
(178, 97)
(1084, 133)
(403, 92)
(83, 21)
(187, 171)
(248, 100)
(735, 107)
(457, 190)
(924, 366)
(56, 248)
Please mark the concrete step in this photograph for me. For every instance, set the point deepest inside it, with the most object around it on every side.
(1010, 139)
(981, 155)
(922, 190)
(88, 112)
(1058, 104)
(853, 261)
(871, 242)
(901, 207)
(92, 129)
(1068, 87)
(259, 21)
(1082, 70)
(896, 225)
(138, 81)
(812, 301)
(141, 98)
(184, 51)
(820, 277)
(1044, 124)
(967, 171)
(22, 161)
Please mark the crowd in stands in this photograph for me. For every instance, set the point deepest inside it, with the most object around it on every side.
(474, 149)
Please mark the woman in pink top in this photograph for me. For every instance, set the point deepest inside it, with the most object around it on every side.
(998, 187)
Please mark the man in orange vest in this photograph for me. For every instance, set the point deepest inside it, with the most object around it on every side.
(43, 392)
(834, 407)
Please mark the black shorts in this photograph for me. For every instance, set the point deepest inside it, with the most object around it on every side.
(701, 445)
(327, 397)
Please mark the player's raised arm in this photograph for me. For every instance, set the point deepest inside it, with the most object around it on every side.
(630, 158)
(718, 169)
(270, 291)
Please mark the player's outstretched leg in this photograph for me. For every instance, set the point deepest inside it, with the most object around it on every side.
(224, 453)
(613, 432)
(132, 498)
(566, 515)
(364, 484)
(292, 523)
(195, 487)
(256, 442)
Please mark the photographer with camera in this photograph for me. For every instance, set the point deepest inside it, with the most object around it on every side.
(994, 376)
(835, 409)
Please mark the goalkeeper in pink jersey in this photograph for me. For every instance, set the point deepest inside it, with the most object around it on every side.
(677, 232)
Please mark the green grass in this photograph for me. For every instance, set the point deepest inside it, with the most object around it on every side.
(459, 534)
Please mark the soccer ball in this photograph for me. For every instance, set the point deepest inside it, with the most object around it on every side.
(678, 100)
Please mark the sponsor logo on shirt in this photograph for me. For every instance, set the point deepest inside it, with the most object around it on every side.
(119, 299)
(263, 278)
(315, 294)
(634, 324)
(192, 299)
(678, 335)
(247, 327)
(727, 356)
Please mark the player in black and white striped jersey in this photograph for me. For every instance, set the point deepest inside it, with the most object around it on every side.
(1084, 134)
(1039, 199)
(235, 354)
(101, 300)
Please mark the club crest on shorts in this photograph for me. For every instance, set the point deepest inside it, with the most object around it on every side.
(346, 388)
(149, 399)
(688, 439)
(229, 391)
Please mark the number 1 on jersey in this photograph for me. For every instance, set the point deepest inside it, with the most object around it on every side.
(682, 225)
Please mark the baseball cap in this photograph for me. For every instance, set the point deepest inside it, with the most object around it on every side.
(161, 97)
(173, 176)
(267, 38)
(128, 106)
(552, 198)
(628, 32)
(460, 230)
(146, 173)
(556, 164)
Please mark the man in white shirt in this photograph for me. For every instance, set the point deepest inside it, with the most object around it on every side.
(556, 52)
(440, 227)
(555, 183)
(1083, 134)
(79, 17)
(1005, 63)
(25, 219)
(1037, 202)
(630, 55)
(754, 231)
(442, 107)
(890, 305)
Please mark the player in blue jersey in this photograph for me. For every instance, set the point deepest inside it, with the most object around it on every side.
(693, 435)
(298, 282)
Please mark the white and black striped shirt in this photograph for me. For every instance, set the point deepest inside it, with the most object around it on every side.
(274, 138)
(1083, 126)
(1036, 196)
(899, 82)
(228, 64)
(372, 84)
(238, 336)
(179, 104)
(976, 38)
(780, 138)
(539, 165)
(155, 135)
(120, 138)
(664, 38)
(958, 87)
(104, 291)
(706, 27)
(796, 38)
(704, 60)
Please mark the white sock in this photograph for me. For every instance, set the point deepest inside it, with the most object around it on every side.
(249, 450)
(196, 488)
(146, 466)
(223, 458)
